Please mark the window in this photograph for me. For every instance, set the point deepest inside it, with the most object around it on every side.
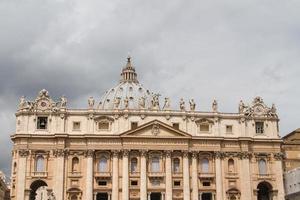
(76, 126)
(74, 197)
(204, 127)
(75, 164)
(176, 165)
(42, 122)
(133, 164)
(259, 127)
(103, 125)
(228, 128)
(102, 183)
(15, 167)
(134, 125)
(175, 126)
(205, 165)
(176, 183)
(262, 167)
(155, 164)
(206, 183)
(230, 165)
(39, 164)
(102, 165)
(134, 183)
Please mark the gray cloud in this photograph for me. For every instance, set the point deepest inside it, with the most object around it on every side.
(226, 50)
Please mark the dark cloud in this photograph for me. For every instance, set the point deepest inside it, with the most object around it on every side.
(226, 50)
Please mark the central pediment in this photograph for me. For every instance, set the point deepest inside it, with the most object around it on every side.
(156, 129)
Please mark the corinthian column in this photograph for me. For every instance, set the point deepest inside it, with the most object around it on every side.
(169, 192)
(89, 174)
(60, 172)
(115, 176)
(245, 176)
(143, 185)
(186, 176)
(195, 175)
(21, 174)
(125, 179)
(219, 177)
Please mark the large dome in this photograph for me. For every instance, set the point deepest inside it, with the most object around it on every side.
(128, 94)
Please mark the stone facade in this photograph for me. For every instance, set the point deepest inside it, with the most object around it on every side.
(291, 149)
(133, 146)
(4, 188)
(292, 184)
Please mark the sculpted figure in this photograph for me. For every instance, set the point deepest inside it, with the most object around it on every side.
(91, 102)
(241, 107)
(126, 103)
(117, 102)
(23, 103)
(155, 101)
(142, 102)
(215, 106)
(63, 101)
(192, 105)
(167, 104)
(51, 196)
(43, 93)
(182, 104)
(273, 109)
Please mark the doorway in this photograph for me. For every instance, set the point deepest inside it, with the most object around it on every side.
(102, 196)
(155, 196)
(264, 191)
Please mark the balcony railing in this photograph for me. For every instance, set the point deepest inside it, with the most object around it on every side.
(102, 174)
(40, 174)
(75, 174)
(156, 174)
(264, 176)
(134, 174)
(232, 174)
(177, 174)
(206, 175)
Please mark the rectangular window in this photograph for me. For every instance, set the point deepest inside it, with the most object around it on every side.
(206, 183)
(76, 126)
(103, 125)
(42, 122)
(229, 129)
(259, 127)
(177, 183)
(204, 127)
(175, 126)
(134, 183)
(134, 125)
(102, 183)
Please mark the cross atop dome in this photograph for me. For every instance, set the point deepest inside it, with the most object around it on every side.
(128, 72)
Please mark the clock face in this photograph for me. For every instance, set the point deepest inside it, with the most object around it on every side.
(43, 105)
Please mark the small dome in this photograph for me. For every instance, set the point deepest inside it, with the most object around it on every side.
(128, 94)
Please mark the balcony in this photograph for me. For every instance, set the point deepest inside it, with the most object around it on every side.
(75, 174)
(265, 176)
(177, 174)
(39, 174)
(206, 175)
(102, 175)
(232, 175)
(156, 174)
(134, 174)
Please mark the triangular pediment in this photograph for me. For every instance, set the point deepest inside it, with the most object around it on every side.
(156, 129)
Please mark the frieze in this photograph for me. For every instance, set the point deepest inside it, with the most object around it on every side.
(23, 152)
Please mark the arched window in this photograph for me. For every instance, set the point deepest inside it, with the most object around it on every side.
(73, 197)
(102, 165)
(133, 165)
(39, 164)
(262, 167)
(75, 164)
(176, 165)
(155, 164)
(230, 165)
(15, 167)
(205, 165)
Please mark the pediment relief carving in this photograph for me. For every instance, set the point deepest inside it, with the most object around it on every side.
(258, 109)
(204, 121)
(104, 118)
(155, 129)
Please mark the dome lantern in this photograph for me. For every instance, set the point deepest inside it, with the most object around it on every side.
(128, 72)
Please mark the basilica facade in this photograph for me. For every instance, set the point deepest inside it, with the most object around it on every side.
(134, 144)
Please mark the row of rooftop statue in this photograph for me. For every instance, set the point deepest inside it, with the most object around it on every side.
(44, 102)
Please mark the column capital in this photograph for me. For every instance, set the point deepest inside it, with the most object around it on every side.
(168, 153)
(115, 153)
(60, 152)
(195, 154)
(89, 153)
(219, 154)
(143, 152)
(23, 152)
(278, 156)
(185, 153)
(125, 152)
(243, 155)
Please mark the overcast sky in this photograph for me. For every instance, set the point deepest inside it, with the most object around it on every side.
(228, 50)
